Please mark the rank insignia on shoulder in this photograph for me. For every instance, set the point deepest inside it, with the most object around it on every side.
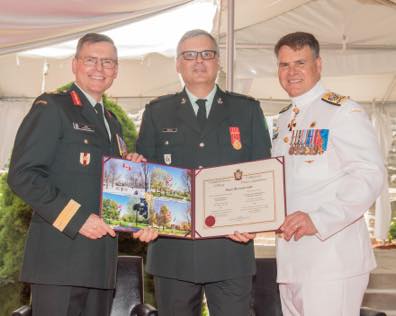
(75, 98)
(334, 99)
(42, 102)
(284, 109)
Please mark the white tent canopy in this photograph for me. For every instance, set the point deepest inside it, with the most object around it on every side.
(358, 40)
(358, 47)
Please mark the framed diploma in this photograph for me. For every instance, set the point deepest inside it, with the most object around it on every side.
(194, 203)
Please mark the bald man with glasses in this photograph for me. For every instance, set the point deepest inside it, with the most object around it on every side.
(202, 126)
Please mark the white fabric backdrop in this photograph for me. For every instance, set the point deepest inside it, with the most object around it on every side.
(11, 114)
(382, 123)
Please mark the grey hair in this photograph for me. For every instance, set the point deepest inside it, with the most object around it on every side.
(195, 33)
(93, 38)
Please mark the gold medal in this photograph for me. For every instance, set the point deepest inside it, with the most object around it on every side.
(237, 144)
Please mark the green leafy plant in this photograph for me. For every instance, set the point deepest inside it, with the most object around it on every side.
(392, 230)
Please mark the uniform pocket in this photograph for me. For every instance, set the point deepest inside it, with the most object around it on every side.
(311, 166)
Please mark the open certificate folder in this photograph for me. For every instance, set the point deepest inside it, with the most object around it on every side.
(194, 203)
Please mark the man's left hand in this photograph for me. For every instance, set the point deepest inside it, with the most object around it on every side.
(242, 237)
(135, 157)
(298, 224)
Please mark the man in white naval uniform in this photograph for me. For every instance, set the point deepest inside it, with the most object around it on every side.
(334, 172)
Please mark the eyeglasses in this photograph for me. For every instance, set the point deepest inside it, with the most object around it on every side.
(107, 63)
(193, 55)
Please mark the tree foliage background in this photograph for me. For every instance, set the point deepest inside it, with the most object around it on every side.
(15, 217)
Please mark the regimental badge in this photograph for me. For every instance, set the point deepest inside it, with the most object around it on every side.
(168, 159)
(220, 101)
(238, 174)
(122, 147)
(183, 101)
(75, 98)
(235, 136)
(85, 159)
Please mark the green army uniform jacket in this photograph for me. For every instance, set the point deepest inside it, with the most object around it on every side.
(56, 168)
(170, 134)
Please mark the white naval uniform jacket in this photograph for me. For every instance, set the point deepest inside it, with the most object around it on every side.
(335, 188)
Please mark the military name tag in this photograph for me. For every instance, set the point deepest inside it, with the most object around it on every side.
(83, 127)
(169, 130)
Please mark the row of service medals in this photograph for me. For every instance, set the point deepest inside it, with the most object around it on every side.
(306, 141)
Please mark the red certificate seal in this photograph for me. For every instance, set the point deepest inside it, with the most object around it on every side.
(210, 221)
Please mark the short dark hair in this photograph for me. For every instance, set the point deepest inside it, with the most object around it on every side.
(93, 38)
(195, 33)
(297, 41)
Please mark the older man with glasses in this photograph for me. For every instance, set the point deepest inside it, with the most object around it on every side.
(71, 254)
(202, 126)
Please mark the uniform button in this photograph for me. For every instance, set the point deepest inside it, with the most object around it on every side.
(85, 141)
(202, 144)
(166, 142)
(200, 167)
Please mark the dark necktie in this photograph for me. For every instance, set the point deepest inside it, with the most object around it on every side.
(99, 112)
(201, 115)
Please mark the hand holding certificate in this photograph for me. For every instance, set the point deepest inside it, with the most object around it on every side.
(194, 203)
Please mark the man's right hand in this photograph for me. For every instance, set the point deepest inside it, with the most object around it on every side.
(95, 228)
(146, 234)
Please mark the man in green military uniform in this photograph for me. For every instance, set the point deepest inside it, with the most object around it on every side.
(202, 126)
(71, 254)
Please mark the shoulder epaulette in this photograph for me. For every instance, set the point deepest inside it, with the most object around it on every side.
(284, 109)
(244, 96)
(162, 98)
(334, 98)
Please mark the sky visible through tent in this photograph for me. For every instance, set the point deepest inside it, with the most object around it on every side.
(159, 33)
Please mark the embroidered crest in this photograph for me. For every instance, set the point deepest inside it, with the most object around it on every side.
(238, 174)
(85, 159)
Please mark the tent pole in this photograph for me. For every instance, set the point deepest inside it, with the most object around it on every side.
(230, 45)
